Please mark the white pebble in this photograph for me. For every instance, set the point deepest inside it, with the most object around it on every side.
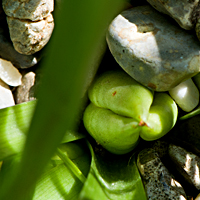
(6, 96)
(198, 197)
(186, 95)
(9, 74)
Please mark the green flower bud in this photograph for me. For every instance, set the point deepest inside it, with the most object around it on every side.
(122, 110)
(117, 91)
(162, 117)
(117, 134)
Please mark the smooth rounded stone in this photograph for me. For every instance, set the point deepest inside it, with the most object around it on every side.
(158, 182)
(30, 37)
(33, 10)
(187, 163)
(183, 11)
(9, 74)
(153, 50)
(186, 95)
(6, 96)
(22, 93)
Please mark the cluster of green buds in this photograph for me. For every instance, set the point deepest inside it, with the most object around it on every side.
(122, 110)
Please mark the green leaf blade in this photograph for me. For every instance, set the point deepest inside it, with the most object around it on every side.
(113, 178)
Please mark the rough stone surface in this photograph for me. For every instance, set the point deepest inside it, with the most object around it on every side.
(183, 11)
(197, 29)
(159, 183)
(6, 96)
(22, 93)
(33, 10)
(7, 50)
(187, 163)
(153, 50)
(29, 37)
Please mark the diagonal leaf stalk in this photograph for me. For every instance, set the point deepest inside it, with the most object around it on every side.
(191, 114)
(74, 53)
(71, 166)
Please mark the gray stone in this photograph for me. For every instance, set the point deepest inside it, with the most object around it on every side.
(33, 10)
(152, 49)
(187, 163)
(197, 29)
(7, 50)
(22, 93)
(183, 11)
(30, 37)
(158, 182)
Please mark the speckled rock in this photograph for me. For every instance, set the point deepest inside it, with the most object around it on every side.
(197, 29)
(153, 50)
(29, 37)
(159, 183)
(187, 163)
(7, 50)
(22, 93)
(33, 10)
(183, 11)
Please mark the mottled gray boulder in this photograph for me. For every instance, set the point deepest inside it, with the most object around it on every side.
(29, 37)
(183, 11)
(33, 10)
(158, 182)
(152, 49)
(187, 163)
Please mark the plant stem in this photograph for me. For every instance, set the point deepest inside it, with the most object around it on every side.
(71, 166)
(191, 114)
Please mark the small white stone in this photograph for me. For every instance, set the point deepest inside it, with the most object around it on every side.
(6, 96)
(9, 74)
(186, 95)
(198, 197)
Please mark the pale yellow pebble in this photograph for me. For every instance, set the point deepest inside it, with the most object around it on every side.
(9, 74)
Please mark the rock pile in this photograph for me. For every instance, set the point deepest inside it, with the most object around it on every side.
(25, 28)
(158, 44)
(152, 49)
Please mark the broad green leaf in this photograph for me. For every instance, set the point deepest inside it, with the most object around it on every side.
(58, 180)
(14, 124)
(113, 177)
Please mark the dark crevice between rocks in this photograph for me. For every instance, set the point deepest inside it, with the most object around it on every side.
(195, 14)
